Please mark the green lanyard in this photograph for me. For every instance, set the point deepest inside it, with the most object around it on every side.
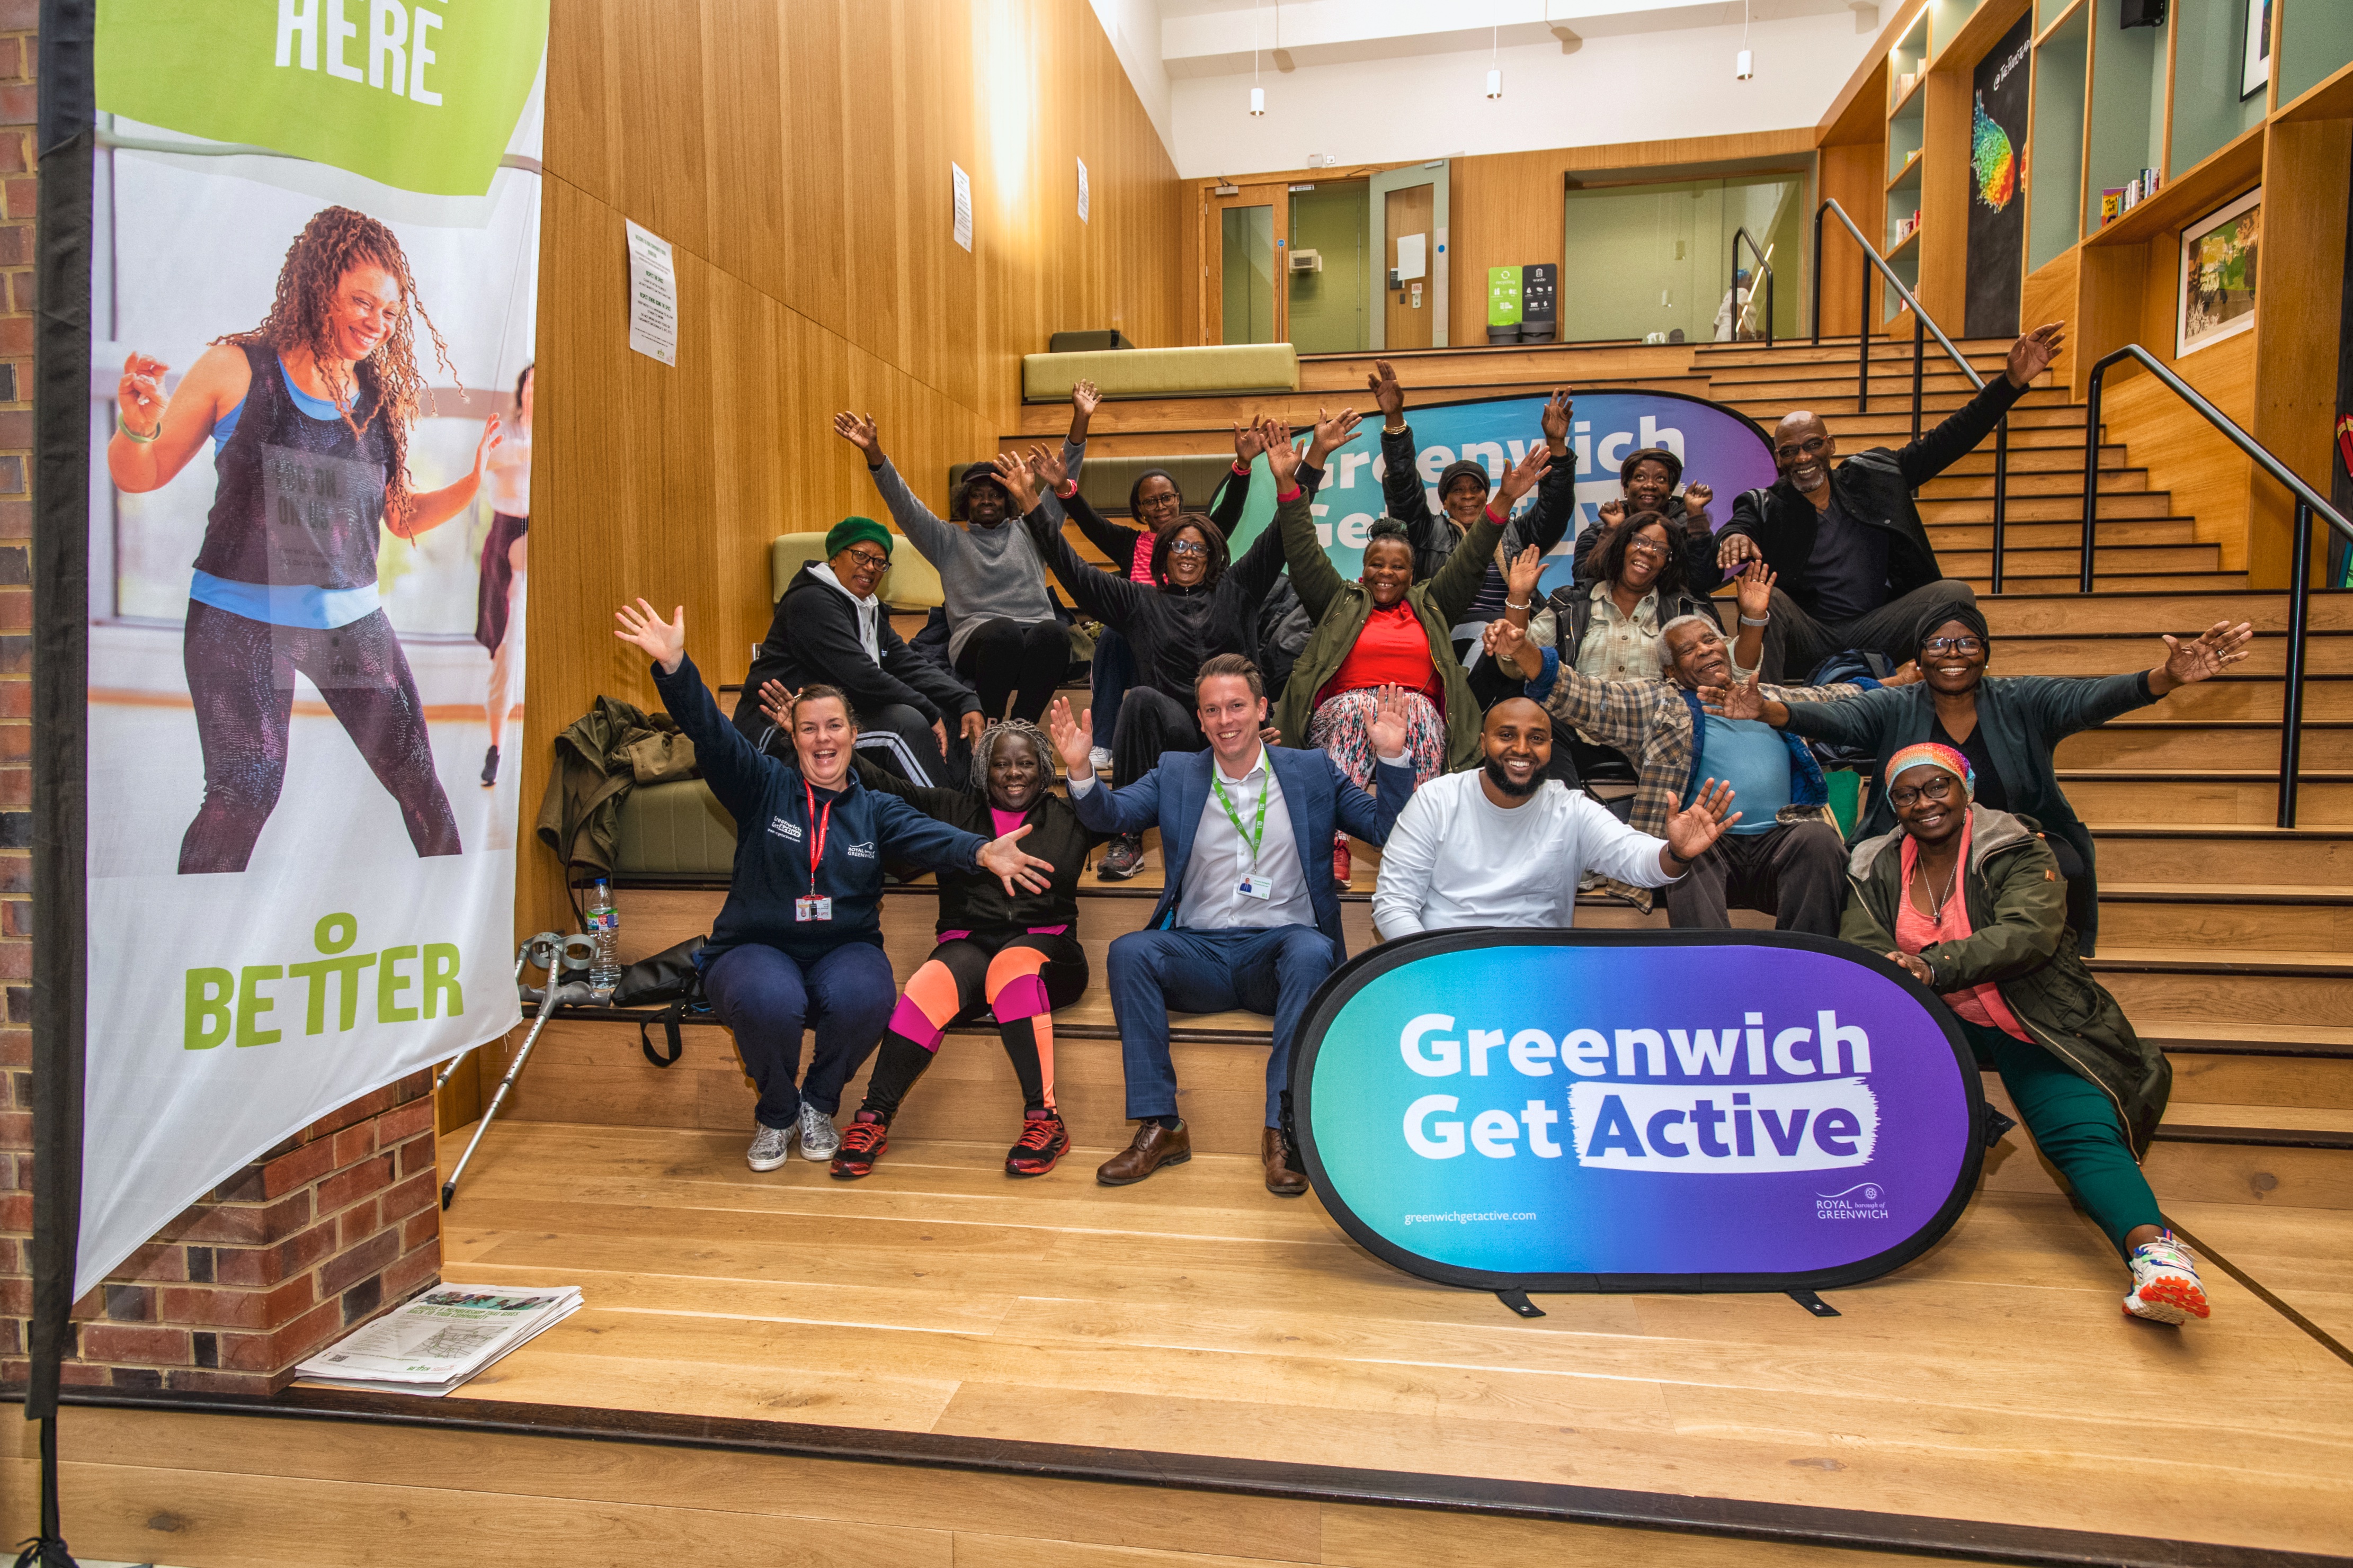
(1252, 835)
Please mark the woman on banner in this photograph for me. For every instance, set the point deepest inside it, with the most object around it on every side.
(1968, 901)
(309, 414)
(799, 938)
(2009, 727)
(1646, 479)
(1018, 953)
(1384, 630)
(505, 580)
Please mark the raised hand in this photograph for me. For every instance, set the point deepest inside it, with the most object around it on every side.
(972, 726)
(2030, 355)
(1521, 477)
(663, 641)
(1387, 393)
(1520, 578)
(1249, 442)
(1755, 590)
(1085, 401)
(1073, 742)
(1019, 872)
(482, 447)
(1333, 431)
(138, 395)
(1048, 467)
(1283, 459)
(2205, 655)
(1612, 512)
(1018, 482)
(1502, 639)
(1733, 549)
(860, 434)
(1693, 830)
(1905, 674)
(1741, 700)
(776, 702)
(1390, 721)
(1696, 495)
(1559, 410)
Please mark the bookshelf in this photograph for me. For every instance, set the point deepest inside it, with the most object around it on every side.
(2210, 107)
(2054, 185)
(2316, 42)
(2125, 130)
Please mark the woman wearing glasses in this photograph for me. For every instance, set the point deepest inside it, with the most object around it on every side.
(1967, 900)
(1199, 602)
(2006, 726)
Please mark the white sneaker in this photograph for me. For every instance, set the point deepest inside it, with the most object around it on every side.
(2166, 1289)
(769, 1147)
(818, 1139)
(1100, 760)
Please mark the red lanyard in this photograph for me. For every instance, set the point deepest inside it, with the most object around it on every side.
(816, 832)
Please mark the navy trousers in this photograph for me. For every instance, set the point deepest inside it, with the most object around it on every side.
(766, 998)
(1270, 970)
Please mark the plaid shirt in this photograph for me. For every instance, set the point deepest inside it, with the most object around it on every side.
(1649, 720)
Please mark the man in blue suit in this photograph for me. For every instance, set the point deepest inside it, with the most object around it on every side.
(1250, 918)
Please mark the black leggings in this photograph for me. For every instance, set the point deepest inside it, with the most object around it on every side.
(241, 676)
(1150, 723)
(1003, 658)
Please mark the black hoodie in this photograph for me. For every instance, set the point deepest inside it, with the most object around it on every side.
(814, 638)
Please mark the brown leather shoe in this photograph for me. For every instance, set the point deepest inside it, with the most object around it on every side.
(1154, 1147)
(1281, 1180)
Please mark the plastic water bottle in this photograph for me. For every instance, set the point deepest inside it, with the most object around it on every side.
(605, 926)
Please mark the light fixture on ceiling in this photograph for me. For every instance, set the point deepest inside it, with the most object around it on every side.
(1494, 65)
(1258, 93)
(1744, 64)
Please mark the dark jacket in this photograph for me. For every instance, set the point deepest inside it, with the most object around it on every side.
(1435, 538)
(770, 803)
(1341, 607)
(2024, 717)
(2020, 942)
(1317, 796)
(1874, 489)
(580, 812)
(976, 900)
(1120, 541)
(1173, 628)
(1701, 574)
(814, 638)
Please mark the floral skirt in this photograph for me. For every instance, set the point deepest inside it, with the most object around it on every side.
(1343, 726)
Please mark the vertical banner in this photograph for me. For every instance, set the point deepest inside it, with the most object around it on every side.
(1997, 183)
(314, 259)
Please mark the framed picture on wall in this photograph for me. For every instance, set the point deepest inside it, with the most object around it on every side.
(2256, 73)
(2217, 274)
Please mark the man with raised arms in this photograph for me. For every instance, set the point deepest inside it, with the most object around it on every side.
(1504, 846)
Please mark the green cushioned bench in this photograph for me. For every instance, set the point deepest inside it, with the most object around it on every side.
(911, 584)
(673, 832)
(1214, 371)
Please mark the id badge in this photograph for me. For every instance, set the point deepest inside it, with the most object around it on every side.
(812, 909)
(1256, 885)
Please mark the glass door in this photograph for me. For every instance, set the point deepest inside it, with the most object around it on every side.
(1247, 238)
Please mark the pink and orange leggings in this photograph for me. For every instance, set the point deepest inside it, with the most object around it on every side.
(1022, 977)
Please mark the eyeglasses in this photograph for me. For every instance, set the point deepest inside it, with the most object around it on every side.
(1811, 447)
(869, 558)
(1903, 797)
(1188, 547)
(1953, 645)
(1655, 548)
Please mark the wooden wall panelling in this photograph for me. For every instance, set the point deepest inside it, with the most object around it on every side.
(1944, 242)
(2297, 333)
(2205, 474)
(1855, 176)
(2049, 295)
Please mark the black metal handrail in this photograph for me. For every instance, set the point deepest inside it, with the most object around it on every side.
(1739, 237)
(2309, 505)
(1922, 325)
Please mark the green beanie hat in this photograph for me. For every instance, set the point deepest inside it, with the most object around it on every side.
(850, 530)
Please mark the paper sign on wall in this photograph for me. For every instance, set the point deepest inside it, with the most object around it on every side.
(1413, 257)
(1082, 190)
(653, 296)
(963, 206)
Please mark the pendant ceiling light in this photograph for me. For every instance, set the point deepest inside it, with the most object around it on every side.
(1258, 93)
(1744, 64)
(1494, 67)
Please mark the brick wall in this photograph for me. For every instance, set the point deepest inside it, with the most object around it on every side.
(323, 1232)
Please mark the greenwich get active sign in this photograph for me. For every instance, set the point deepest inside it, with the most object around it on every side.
(1676, 1110)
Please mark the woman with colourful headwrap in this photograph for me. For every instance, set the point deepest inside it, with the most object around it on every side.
(1969, 901)
(2009, 727)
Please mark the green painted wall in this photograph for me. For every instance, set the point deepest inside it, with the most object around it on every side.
(1328, 308)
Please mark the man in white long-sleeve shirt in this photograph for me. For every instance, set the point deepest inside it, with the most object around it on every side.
(1503, 846)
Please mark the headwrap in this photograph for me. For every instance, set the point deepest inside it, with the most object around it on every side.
(1968, 614)
(996, 735)
(1930, 755)
(1454, 470)
(1674, 465)
(850, 531)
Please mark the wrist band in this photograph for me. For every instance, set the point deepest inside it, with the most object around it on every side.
(1067, 493)
(1240, 467)
(129, 433)
(1529, 606)
(1759, 622)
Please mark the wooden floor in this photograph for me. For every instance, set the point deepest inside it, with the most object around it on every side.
(1993, 1380)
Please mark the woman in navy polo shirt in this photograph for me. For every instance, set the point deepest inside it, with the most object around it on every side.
(800, 936)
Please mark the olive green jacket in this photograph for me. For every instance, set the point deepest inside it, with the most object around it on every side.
(1339, 608)
(2020, 943)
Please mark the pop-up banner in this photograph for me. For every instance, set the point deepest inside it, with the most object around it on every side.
(1635, 1110)
(314, 239)
(1720, 448)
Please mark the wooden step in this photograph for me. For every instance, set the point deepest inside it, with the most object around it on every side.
(2054, 480)
(2250, 854)
(2248, 798)
(2046, 508)
(2188, 582)
(2225, 919)
(2068, 613)
(2225, 743)
(2178, 982)
(2120, 562)
(2254, 698)
(2025, 459)
(2068, 535)
(2110, 653)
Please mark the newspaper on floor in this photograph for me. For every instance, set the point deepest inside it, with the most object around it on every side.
(440, 1340)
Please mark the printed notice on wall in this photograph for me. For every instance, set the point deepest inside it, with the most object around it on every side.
(1082, 190)
(963, 206)
(653, 296)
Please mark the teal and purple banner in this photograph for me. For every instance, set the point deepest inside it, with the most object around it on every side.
(1635, 1110)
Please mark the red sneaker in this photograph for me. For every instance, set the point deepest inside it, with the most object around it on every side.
(1044, 1140)
(1340, 863)
(862, 1142)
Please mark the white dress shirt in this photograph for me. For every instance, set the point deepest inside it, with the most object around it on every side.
(1457, 858)
(1212, 899)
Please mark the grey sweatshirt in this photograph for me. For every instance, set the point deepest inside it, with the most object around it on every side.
(985, 573)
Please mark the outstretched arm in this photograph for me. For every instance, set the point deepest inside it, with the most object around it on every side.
(1408, 861)
(1960, 434)
(734, 769)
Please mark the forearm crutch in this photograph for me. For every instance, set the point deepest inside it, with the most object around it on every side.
(578, 952)
(542, 951)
